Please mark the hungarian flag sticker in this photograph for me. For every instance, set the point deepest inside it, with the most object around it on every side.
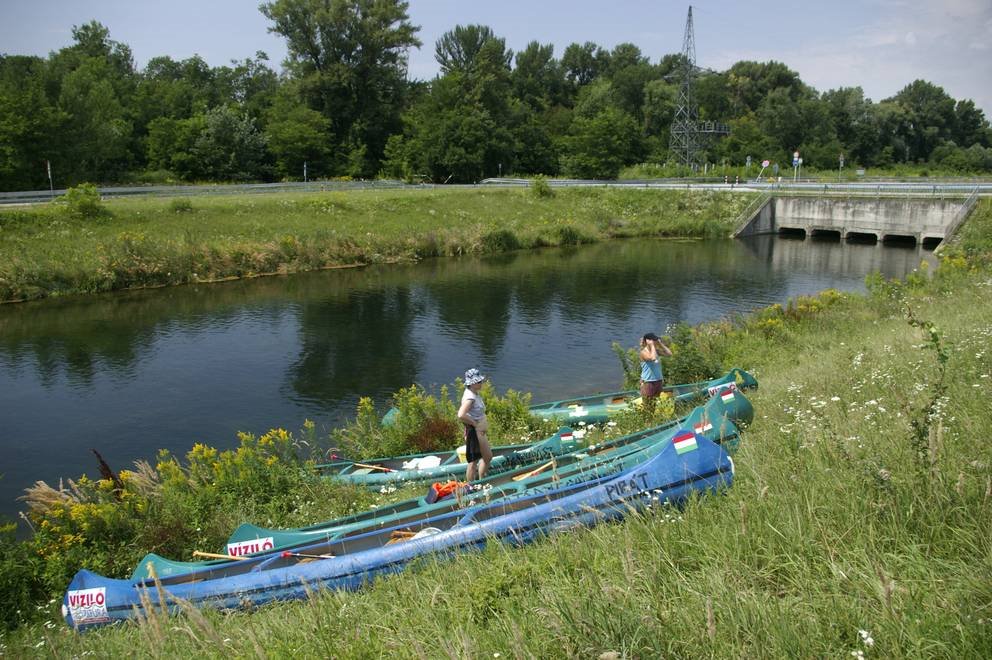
(684, 441)
(727, 395)
(702, 427)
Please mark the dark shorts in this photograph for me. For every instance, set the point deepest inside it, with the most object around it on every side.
(651, 388)
(473, 452)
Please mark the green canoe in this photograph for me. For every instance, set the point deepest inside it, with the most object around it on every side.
(713, 420)
(443, 465)
(597, 408)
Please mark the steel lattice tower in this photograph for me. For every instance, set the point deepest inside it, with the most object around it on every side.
(688, 134)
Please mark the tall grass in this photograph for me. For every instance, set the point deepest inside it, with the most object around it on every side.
(52, 251)
(844, 534)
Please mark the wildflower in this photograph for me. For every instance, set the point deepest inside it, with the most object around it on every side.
(866, 638)
(859, 654)
(835, 398)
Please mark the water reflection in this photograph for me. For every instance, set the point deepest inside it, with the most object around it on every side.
(133, 372)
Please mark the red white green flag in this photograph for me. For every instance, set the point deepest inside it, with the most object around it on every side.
(727, 395)
(702, 427)
(684, 441)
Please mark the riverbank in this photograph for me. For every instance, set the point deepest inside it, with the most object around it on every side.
(859, 522)
(55, 250)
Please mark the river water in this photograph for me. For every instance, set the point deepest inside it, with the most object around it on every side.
(128, 374)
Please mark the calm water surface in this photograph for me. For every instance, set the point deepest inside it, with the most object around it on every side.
(128, 374)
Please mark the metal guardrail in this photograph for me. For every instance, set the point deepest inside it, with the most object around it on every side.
(959, 217)
(745, 216)
(32, 196)
(879, 189)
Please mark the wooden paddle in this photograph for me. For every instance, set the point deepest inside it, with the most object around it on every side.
(214, 555)
(538, 470)
(373, 467)
(398, 535)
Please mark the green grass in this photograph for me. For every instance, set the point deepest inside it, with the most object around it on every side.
(50, 251)
(861, 510)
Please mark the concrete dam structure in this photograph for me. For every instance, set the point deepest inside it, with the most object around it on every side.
(920, 221)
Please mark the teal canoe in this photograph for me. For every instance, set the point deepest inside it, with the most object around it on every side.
(597, 408)
(442, 465)
(714, 420)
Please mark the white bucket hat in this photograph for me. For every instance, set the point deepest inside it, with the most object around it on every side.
(472, 376)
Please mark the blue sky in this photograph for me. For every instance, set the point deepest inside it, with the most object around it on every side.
(880, 45)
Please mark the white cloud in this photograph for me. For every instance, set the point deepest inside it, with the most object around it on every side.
(899, 42)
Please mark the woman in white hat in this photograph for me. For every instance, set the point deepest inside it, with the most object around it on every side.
(472, 414)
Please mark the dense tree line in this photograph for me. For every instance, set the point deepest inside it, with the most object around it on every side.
(343, 104)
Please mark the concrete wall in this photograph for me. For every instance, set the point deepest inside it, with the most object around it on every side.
(919, 218)
(762, 222)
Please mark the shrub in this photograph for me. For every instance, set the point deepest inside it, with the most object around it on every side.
(18, 579)
(421, 423)
(181, 205)
(690, 361)
(540, 188)
(501, 240)
(83, 201)
(106, 525)
(568, 235)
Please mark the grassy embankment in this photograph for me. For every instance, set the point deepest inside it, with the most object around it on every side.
(53, 250)
(860, 522)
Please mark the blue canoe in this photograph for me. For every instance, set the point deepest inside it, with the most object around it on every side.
(689, 463)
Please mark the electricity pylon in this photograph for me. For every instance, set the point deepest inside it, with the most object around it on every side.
(690, 136)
